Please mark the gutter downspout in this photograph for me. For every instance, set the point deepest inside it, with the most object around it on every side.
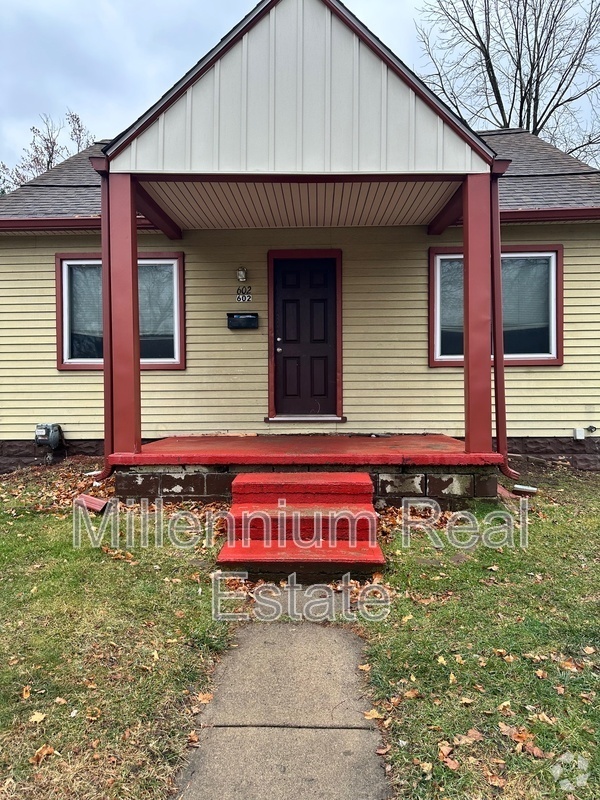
(498, 169)
(101, 166)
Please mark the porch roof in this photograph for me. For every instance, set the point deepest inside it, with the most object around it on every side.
(288, 202)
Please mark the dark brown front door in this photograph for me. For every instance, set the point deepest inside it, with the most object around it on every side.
(305, 336)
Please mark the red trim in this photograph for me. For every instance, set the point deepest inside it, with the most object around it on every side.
(294, 177)
(500, 165)
(364, 36)
(149, 208)
(478, 312)
(508, 361)
(100, 164)
(305, 254)
(550, 215)
(449, 215)
(58, 223)
(66, 366)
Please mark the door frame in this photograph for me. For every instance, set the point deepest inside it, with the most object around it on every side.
(304, 255)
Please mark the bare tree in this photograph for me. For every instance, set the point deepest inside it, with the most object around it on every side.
(48, 147)
(530, 64)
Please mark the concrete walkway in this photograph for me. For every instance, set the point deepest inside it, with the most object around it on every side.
(287, 721)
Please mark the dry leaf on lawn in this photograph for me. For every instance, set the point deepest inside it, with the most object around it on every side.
(26, 692)
(205, 698)
(37, 717)
(40, 754)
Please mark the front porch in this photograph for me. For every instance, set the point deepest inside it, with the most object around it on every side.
(204, 467)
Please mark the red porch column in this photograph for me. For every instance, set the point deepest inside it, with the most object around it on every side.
(478, 313)
(124, 316)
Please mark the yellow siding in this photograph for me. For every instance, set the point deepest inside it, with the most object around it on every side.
(388, 385)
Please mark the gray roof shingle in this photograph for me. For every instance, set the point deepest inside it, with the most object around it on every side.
(540, 177)
(71, 189)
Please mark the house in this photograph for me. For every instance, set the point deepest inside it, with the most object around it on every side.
(324, 248)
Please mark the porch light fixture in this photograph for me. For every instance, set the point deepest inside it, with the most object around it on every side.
(242, 274)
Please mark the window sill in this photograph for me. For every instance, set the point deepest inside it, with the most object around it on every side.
(306, 418)
(69, 366)
(508, 362)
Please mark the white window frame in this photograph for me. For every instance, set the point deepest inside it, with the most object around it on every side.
(66, 312)
(552, 356)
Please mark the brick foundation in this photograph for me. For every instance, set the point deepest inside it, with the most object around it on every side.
(391, 484)
(18, 453)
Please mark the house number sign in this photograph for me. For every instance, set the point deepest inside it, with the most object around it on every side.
(244, 294)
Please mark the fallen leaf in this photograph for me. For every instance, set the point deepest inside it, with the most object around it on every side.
(589, 651)
(373, 714)
(365, 667)
(452, 679)
(60, 701)
(493, 568)
(412, 694)
(560, 689)
(441, 660)
(459, 659)
(406, 619)
(451, 763)
(205, 698)
(499, 652)
(535, 751)
(496, 780)
(193, 738)
(37, 717)
(382, 751)
(541, 674)
(466, 701)
(43, 752)
(509, 659)
(26, 692)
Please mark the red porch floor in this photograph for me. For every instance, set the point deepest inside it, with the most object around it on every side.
(418, 449)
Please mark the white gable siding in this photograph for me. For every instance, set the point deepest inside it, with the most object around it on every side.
(299, 93)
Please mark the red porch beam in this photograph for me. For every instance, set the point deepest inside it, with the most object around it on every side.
(449, 215)
(478, 313)
(124, 316)
(149, 208)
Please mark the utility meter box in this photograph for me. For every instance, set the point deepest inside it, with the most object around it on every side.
(49, 434)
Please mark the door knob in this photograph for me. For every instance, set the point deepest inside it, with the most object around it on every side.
(279, 338)
(280, 350)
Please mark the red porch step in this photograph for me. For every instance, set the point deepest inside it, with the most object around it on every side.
(311, 488)
(343, 499)
(292, 555)
(301, 520)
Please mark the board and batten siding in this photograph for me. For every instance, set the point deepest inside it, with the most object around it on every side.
(300, 92)
(388, 386)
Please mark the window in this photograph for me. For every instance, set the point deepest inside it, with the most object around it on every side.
(160, 287)
(531, 305)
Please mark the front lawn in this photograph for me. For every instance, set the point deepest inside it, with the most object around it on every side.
(103, 654)
(487, 672)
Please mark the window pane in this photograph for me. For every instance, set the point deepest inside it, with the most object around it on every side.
(85, 311)
(526, 304)
(451, 307)
(157, 311)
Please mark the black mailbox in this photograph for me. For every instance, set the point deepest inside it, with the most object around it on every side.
(239, 321)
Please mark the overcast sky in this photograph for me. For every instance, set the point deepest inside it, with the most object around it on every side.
(110, 60)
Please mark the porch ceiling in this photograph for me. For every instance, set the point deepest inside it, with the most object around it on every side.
(300, 203)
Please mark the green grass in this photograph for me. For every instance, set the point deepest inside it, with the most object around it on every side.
(128, 644)
(451, 622)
